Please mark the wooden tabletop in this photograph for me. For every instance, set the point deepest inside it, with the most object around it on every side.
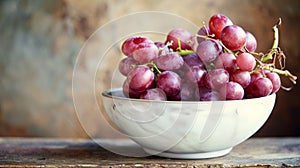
(37, 152)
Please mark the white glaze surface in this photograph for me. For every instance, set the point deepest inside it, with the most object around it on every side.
(187, 127)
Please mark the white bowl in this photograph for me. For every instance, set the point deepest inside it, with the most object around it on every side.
(187, 129)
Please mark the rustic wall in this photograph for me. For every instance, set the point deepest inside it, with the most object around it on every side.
(40, 40)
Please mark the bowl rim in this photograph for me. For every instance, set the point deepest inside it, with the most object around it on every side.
(108, 94)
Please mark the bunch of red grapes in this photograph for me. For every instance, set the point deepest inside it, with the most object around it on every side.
(218, 63)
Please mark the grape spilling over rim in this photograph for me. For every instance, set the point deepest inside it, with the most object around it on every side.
(219, 62)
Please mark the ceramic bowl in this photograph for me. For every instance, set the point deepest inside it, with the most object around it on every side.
(187, 129)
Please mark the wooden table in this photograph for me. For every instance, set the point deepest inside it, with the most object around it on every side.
(33, 152)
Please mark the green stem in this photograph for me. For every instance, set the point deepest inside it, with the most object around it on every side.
(269, 56)
(185, 52)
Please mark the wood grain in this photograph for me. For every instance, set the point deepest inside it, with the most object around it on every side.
(32, 152)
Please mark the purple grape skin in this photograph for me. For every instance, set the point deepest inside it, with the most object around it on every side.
(196, 75)
(251, 43)
(208, 50)
(145, 52)
(226, 61)
(169, 82)
(185, 37)
(187, 92)
(126, 65)
(232, 91)
(216, 78)
(275, 79)
(260, 87)
(193, 60)
(233, 37)
(154, 94)
(210, 96)
(170, 61)
(128, 92)
(130, 44)
(241, 77)
(140, 78)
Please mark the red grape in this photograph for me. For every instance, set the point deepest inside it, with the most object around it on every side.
(185, 37)
(210, 96)
(169, 82)
(259, 88)
(196, 75)
(208, 50)
(233, 37)
(232, 91)
(130, 44)
(169, 61)
(241, 77)
(251, 43)
(187, 92)
(126, 65)
(275, 79)
(226, 61)
(145, 52)
(140, 78)
(154, 94)
(193, 60)
(216, 78)
(217, 23)
(246, 61)
(128, 92)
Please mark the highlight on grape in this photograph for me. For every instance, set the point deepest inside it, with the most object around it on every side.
(219, 62)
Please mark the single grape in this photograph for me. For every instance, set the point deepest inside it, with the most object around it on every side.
(185, 37)
(208, 50)
(216, 78)
(140, 78)
(211, 96)
(126, 65)
(196, 75)
(169, 82)
(193, 60)
(233, 37)
(275, 79)
(217, 23)
(128, 92)
(145, 52)
(246, 61)
(154, 94)
(130, 44)
(259, 88)
(251, 43)
(226, 61)
(241, 77)
(187, 92)
(170, 61)
(232, 91)
(203, 31)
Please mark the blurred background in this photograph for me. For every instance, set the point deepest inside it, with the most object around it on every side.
(40, 40)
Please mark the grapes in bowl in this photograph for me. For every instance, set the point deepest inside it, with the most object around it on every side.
(195, 96)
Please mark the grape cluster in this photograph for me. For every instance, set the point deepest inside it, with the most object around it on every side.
(218, 63)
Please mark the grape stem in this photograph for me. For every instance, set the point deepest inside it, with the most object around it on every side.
(153, 65)
(181, 51)
(269, 56)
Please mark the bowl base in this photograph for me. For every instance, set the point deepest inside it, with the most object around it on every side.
(200, 155)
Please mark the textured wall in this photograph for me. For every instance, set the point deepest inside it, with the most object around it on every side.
(40, 40)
